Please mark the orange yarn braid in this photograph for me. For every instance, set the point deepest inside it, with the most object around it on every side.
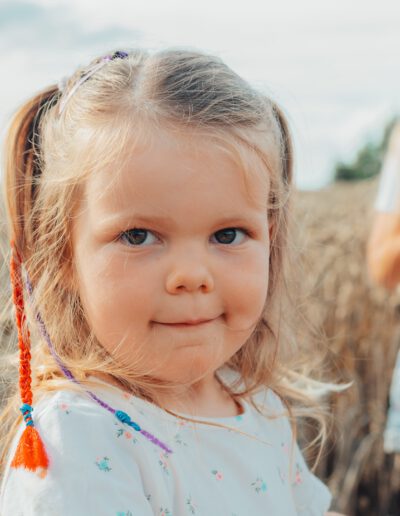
(23, 344)
(30, 451)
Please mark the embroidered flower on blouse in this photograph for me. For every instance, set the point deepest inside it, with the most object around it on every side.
(182, 422)
(178, 439)
(102, 464)
(123, 432)
(218, 474)
(163, 462)
(64, 407)
(298, 479)
(259, 485)
(191, 506)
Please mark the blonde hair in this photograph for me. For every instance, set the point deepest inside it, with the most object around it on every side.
(48, 157)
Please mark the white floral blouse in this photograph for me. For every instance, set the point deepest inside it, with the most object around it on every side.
(100, 466)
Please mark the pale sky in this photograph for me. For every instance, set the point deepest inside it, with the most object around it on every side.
(332, 65)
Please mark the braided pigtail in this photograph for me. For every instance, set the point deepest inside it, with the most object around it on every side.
(30, 452)
(22, 174)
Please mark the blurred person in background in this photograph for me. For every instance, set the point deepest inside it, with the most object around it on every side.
(383, 260)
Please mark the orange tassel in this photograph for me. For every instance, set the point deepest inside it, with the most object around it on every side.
(30, 452)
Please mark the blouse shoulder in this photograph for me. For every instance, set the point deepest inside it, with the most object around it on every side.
(87, 471)
(311, 496)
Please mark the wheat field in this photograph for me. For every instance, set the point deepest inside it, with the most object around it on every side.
(361, 323)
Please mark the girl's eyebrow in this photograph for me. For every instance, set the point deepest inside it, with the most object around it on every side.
(123, 220)
(167, 221)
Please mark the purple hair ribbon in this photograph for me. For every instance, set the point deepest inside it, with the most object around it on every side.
(103, 60)
(121, 416)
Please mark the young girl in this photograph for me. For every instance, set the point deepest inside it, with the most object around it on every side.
(148, 201)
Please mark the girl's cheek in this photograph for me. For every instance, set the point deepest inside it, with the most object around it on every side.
(247, 288)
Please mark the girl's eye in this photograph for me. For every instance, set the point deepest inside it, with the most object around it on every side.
(227, 235)
(135, 236)
(138, 237)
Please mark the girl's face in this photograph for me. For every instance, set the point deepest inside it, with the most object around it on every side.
(175, 236)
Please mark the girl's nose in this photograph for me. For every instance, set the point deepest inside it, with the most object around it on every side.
(189, 277)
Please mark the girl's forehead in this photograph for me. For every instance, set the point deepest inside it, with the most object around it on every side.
(166, 166)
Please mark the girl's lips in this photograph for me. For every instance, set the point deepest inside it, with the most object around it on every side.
(188, 324)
